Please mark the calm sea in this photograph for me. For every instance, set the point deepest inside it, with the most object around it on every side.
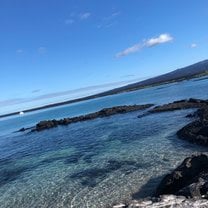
(97, 163)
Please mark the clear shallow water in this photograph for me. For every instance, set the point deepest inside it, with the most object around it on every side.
(96, 163)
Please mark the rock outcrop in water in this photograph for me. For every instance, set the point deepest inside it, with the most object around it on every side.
(42, 125)
(187, 185)
(189, 179)
(180, 105)
(196, 131)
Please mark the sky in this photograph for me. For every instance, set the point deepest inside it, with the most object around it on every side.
(56, 50)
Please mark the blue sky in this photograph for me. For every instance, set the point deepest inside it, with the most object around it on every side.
(54, 50)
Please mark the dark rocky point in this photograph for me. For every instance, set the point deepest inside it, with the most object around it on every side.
(47, 124)
(188, 179)
(186, 186)
(180, 105)
(196, 131)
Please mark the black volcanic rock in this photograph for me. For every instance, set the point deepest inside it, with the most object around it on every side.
(196, 131)
(186, 174)
(47, 124)
(203, 131)
(180, 105)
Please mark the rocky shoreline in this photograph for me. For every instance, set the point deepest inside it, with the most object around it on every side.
(184, 187)
(194, 132)
(187, 185)
(47, 124)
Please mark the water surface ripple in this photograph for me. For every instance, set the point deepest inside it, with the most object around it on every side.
(95, 163)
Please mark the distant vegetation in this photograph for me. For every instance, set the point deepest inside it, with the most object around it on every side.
(193, 71)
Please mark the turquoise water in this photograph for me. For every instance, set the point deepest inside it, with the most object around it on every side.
(95, 163)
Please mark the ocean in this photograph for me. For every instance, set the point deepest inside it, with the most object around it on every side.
(97, 163)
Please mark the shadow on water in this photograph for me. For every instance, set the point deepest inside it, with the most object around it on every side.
(148, 189)
(7, 176)
(9, 172)
(69, 159)
(5, 161)
(92, 176)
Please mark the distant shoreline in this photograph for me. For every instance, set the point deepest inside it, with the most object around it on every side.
(107, 93)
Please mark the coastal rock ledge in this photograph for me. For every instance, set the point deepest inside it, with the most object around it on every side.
(184, 187)
(196, 131)
(48, 124)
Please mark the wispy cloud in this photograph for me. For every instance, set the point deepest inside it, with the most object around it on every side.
(69, 21)
(65, 95)
(42, 50)
(115, 14)
(194, 45)
(112, 16)
(84, 16)
(76, 17)
(127, 76)
(163, 38)
(36, 91)
(132, 49)
(19, 51)
(109, 21)
(13, 101)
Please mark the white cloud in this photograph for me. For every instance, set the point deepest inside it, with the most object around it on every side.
(193, 45)
(69, 21)
(163, 38)
(132, 49)
(19, 51)
(84, 16)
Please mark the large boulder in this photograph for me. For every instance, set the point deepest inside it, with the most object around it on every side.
(46, 125)
(195, 132)
(184, 175)
(203, 131)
